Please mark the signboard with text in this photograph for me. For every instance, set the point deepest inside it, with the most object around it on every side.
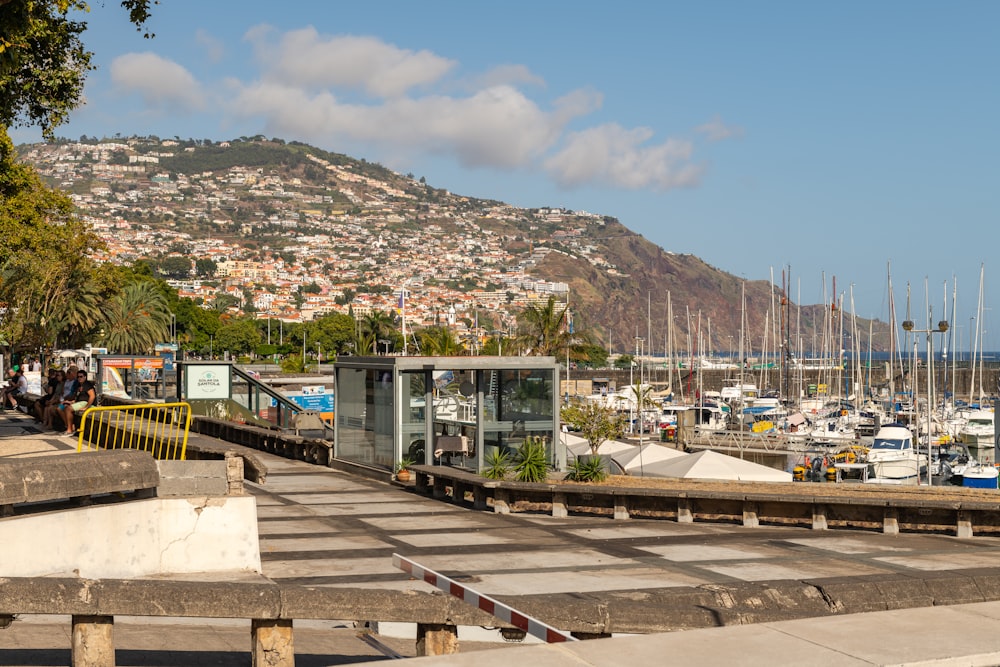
(207, 381)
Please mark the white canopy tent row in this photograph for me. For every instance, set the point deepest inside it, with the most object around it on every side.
(655, 460)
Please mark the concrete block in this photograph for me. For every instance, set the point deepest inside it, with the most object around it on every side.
(272, 643)
(684, 514)
(59, 476)
(436, 639)
(559, 508)
(93, 643)
(890, 521)
(621, 508)
(819, 517)
(750, 518)
(500, 501)
(136, 538)
(963, 529)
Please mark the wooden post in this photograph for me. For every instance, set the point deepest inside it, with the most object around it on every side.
(436, 639)
(750, 518)
(93, 643)
(890, 521)
(272, 643)
(440, 487)
(559, 509)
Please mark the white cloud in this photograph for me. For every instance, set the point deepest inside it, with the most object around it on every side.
(159, 81)
(308, 86)
(214, 48)
(497, 127)
(306, 58)
(507, 75)
(716, 130)
(611, 155)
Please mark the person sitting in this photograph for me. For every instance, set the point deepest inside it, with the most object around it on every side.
(66, 391)
(38, 407)
(86, 397)
(18, 387)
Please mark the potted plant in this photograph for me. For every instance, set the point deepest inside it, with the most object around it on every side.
(403, 469)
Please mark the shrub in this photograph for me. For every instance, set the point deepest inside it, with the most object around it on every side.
(532, 461)
(587, 469)
(497, 464)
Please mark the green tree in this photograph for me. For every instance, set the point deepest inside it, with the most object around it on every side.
(136, 319)
(205, 267)
(440, 342)
(595, 422)
(544, 331)
(43, 62)
(240, 336)
(174, 267)
(45, 274)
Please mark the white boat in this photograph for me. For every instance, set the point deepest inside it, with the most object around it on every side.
(977, 435)
(893, 458)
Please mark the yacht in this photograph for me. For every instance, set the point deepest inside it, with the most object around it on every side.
(892, 457)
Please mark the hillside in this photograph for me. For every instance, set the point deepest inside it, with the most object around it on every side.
(276, 216)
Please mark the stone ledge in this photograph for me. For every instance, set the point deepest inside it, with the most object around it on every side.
(60, 477)
(627, 611)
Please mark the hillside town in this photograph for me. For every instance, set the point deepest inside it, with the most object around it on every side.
(326, 234)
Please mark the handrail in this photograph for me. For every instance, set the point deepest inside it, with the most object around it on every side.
(158, 428)
(283, 401)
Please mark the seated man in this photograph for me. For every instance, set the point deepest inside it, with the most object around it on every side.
(86, 397)
(65, 391)
(18, 386)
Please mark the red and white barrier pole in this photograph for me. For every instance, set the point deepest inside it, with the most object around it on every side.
(504, 612)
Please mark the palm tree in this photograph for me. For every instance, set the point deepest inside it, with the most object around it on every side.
(440, 342)
(136, 319)
(543, 330)
(375, 326)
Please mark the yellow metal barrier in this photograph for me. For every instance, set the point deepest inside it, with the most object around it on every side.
(158, 428)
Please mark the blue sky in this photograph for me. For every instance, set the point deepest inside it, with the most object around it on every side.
(831, 139)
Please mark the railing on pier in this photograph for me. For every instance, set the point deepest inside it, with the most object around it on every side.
(158, 428)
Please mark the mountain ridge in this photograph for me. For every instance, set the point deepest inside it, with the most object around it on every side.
(617, 280)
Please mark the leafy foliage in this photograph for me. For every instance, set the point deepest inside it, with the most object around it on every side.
(498, 465)
(43, 62)
(440, 342)
(587, 469)
(136, 319)
(532, 464)
(595, 422)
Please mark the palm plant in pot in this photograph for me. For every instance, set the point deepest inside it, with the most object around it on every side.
(402, 469)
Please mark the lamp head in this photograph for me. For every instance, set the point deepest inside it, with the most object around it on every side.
(907, 325)
(943, 326)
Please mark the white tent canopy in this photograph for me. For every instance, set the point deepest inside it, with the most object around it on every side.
(713, 465)
(640, 457)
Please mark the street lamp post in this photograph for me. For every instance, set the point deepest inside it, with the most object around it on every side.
(319, 359)
(942, 327)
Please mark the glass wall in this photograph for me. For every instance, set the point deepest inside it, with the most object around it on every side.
(517, 404)
(413, 425)
(365, 416)
(442, 411)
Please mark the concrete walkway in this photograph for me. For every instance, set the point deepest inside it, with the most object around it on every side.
(321, 527)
